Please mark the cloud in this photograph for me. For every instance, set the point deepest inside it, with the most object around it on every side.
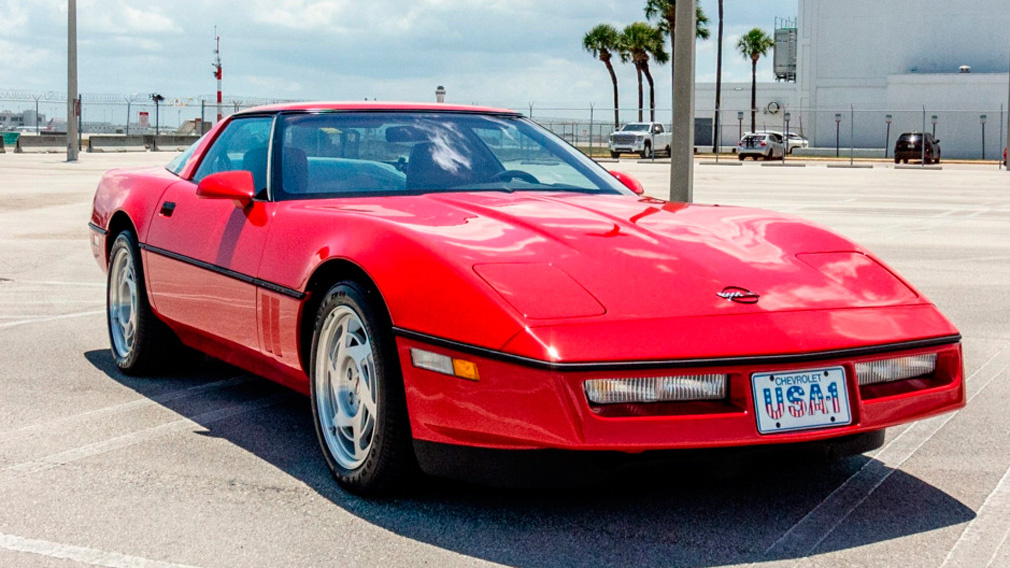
(496, 52)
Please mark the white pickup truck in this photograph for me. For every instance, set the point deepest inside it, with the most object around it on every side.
(642, 138)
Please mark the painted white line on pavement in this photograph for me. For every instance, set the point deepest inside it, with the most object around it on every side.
(809, 532)
(81, 554)
(986, 533)
(19, 433)
(50, 318)
(51, 283)
(112, 444)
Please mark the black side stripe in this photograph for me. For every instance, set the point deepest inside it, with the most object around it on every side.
(289, 292)
(97, 229)
(677, 363)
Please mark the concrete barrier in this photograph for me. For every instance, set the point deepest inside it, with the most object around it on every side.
(169, 142)
(119, 143)
(43, 143)
(858, 153)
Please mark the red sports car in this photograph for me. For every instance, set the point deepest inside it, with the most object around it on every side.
(441, 278)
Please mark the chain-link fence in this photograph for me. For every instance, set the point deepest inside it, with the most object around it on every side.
(852, 130)
(46, 111)
(843, 131)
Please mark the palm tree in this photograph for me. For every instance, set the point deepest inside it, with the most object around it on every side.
(665, 11)
(718, 82)
(602, 41)
(753, 45)
(640, 43)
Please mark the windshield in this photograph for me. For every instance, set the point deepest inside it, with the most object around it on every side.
(389, 153)
(636, 128)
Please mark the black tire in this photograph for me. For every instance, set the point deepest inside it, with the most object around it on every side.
(389, 464)
(742, 157)
(669, 152)
(897, 160)
(937, 160)
(153, 347)
(615, 155)
(647, 152)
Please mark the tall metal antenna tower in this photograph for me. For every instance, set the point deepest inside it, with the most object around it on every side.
(217, 72)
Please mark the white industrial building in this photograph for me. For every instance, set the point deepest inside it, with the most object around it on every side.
(898, 57)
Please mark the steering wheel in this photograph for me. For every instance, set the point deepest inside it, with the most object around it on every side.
(508, 175)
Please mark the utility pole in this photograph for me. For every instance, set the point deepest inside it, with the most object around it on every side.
(682, 145)
(72, 100)
(218, 73)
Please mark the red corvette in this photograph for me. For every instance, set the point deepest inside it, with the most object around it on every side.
(441, 278)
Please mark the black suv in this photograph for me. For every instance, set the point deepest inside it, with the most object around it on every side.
(909, 147)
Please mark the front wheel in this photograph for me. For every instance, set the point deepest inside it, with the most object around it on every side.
(615, 155)
(646, 153)
(358, 403)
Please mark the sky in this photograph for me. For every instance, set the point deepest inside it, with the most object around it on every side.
(507, 53)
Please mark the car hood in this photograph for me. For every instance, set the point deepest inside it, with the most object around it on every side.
(565, 256)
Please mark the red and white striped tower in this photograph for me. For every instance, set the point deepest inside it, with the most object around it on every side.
(217, 73)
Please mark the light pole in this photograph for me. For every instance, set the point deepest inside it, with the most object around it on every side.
(682, 144)
(129, 103)
(73, 105)
(934, 119)
(787, 116)
(982, 119)
(739, 118)
(37, 97)
(838, 140)
(887, 139)
(157, 98)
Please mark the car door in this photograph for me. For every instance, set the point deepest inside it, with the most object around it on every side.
(202, 254)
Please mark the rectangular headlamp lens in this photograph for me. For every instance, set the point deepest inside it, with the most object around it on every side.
(898, 369)
(657, 389)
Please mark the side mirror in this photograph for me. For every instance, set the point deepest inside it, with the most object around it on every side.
(629, 182)
(237, 185)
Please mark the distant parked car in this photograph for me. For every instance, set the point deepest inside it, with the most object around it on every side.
(909, 147)
(767, 145)
(795, 140)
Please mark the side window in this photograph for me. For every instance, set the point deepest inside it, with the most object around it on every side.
(242, 146)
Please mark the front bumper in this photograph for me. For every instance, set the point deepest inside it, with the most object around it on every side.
(515, 406)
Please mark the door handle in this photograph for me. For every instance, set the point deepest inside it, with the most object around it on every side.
(167, 208)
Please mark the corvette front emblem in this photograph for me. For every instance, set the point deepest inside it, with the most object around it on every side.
(739, 295)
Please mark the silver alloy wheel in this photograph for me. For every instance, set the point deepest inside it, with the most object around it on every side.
(346, 390)
(122, 302)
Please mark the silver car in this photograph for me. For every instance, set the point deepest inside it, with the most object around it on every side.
(767, 145)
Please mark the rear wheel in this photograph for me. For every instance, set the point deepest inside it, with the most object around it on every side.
(141, 343)
(742, 157)
(358, 403)
(669, 152)
(615, 155)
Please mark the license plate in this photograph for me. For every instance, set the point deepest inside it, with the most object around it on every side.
(787, 401)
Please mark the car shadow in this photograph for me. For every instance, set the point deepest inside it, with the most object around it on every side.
(714, 514)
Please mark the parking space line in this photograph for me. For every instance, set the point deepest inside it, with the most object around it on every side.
(81, 554)
(817, 525)
(19, 433)
(183, 424)
(985, 534)
(50, 318)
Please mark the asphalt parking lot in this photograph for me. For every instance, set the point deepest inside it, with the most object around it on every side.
(217, 468)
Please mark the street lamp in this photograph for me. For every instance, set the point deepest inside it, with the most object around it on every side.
(934, 120)
(887, 141)
(838, 124)
(157, 98)
(739, 118)
(982, 119)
